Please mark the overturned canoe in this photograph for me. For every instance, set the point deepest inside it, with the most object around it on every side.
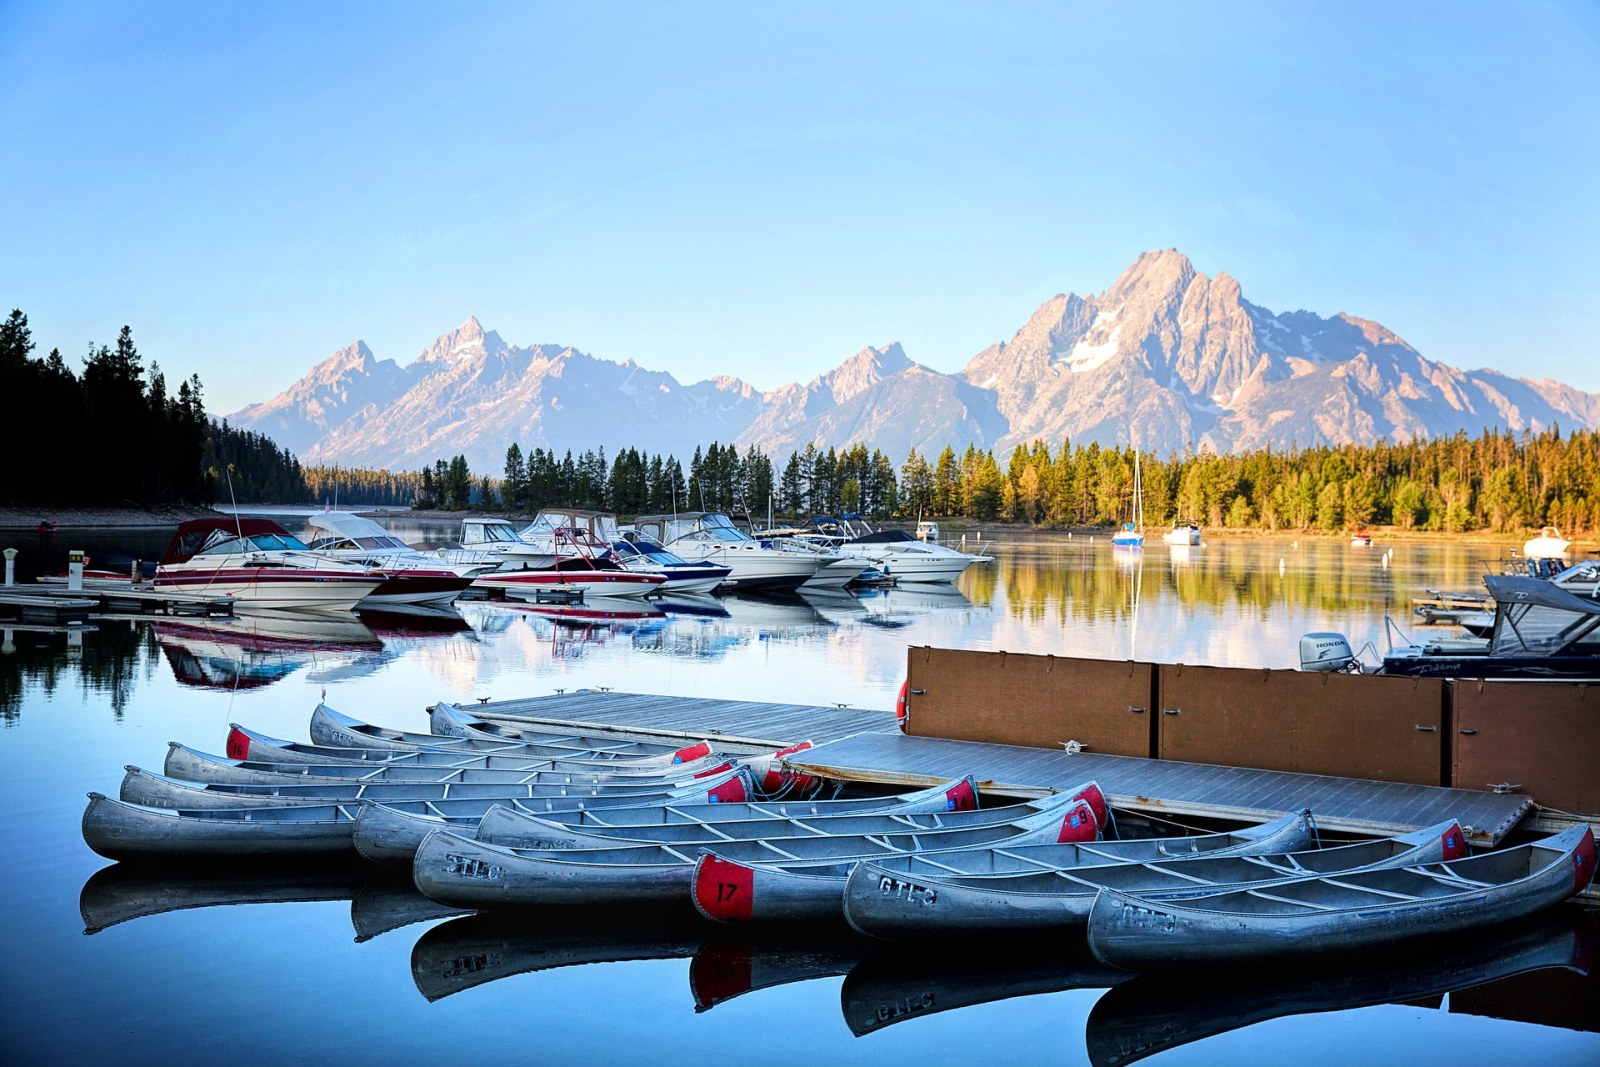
(386, 835)
(1340, 913)
(816, 892)
(888, 903)
(472, 873)
(504, 826)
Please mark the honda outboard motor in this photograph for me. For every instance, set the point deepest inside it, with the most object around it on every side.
(1325, 652)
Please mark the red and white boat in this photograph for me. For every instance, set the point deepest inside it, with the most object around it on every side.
(583, 565)
(260, 565)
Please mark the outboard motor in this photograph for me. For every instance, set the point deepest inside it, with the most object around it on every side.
(1325, 652)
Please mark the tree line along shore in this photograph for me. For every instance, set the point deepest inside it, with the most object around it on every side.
(143, 447)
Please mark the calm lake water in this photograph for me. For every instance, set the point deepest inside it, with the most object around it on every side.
(111, 964)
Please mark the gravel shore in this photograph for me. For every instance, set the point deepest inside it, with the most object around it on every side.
(76, 518)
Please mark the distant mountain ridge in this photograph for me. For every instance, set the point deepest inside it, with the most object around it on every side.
(1166, 358)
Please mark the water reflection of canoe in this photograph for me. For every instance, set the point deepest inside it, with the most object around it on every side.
(722, 970)
(477, 949)
(890, 987)
(1153, 1013)
(122, 892)
(1350, 913)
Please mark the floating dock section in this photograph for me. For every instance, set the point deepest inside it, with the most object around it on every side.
(866, 746)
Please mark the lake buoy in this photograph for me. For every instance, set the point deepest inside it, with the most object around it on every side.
(1280, 566)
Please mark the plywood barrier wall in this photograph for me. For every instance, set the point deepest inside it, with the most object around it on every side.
(1544, 738)
(1356, 726)
(1039, 701)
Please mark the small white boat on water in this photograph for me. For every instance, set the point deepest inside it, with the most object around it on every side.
(1183, 533)
(582, 564)
(897, 553)
(260, 565)
(1548, 545)
(632, 552)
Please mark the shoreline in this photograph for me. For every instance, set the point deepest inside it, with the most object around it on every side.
(67, 518)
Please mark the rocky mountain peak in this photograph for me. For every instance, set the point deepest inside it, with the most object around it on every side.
(464, 342)
(1156, 276)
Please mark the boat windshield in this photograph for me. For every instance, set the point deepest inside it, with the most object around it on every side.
(263, 542)
(497, 533)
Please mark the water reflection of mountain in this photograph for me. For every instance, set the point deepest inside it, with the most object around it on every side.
(1153, 1013)
(258, 649)
(379, 902)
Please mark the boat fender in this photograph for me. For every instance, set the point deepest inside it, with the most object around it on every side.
(722, 889)
(1454, 842)
(1092, 796)
(961, 797)
(1079, 825)
(735, 790)
(1583, 862)
(693, 752)
(238, 744)
(901, 712)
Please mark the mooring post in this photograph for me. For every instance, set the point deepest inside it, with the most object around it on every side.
(11, 566)
(75, 570)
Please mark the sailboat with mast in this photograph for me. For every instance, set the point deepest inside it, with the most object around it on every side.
(1132, 533)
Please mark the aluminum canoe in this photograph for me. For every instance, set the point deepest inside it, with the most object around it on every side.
(1155, 1012)
(247, 744)
(1342, 913)
(143, 787)
(471, 873)
(504, 826)
(122, 831)
(185, 762)
(816, 892)
(386, 835)
(888, 903)
(458, 730)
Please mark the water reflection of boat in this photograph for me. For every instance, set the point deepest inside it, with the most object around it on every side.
(378, 904)
(891, 987)
(255, 650)
(486, 947)
(722, 970)
(702, 604)
(1153, 1013)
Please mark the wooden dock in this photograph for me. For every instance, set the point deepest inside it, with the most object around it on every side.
(864, 746)
(54, 600)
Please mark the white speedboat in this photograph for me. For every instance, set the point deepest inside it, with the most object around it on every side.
(711, 536)
(896, 552)
(498, 537)
(583, 565)
(413, 578)
(1548, 545)
(838, 570)
(260, 565)
(1183, 533)
(603, 536)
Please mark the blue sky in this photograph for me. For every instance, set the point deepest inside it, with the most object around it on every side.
(764, 189)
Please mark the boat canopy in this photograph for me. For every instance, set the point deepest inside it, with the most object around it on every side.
(359, 530)
(603, 524)
(212, 535)
(1536, 618)
(702, 525)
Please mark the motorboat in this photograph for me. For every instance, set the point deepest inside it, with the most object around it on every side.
(498, 537)
(582, 564)
(413, 578)
(630, 551)
(1183, 533)
(260, 565)
(928, 530)
(897, 553)
(838, 569)
(1540, 631)
(1361, 538)
(710, 536)
(1548, 545)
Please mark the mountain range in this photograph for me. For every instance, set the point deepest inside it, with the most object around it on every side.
(1166, 358)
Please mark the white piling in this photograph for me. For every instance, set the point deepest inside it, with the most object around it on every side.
(75, 571)
(11, 566)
